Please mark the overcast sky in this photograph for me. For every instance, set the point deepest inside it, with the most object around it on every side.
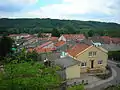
(97, 10)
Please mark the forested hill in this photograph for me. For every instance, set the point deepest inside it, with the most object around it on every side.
(46, 25)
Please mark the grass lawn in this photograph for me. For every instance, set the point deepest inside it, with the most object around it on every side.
(76, 87)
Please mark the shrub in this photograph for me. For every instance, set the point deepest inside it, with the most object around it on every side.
(77, 87)
(106, 75)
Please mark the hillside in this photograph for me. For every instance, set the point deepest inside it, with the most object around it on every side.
(46, 25)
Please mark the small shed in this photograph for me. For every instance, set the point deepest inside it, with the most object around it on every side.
(70, 67)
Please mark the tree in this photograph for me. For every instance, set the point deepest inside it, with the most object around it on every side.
(39, 35)
(5, 46)
(55, 33)
(71, 29)
(91, 33)
(28, 76)
(86, 35)
(23, 73)
(22, 56)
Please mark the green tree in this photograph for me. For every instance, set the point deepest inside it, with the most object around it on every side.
(23, 73)
(5, 46)
(28, 76)
(23, 56)
(39, 35)
(91, 33)
(70, 28)
(55, 33)
(86, 34)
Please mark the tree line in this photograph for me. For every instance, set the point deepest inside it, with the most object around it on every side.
(32, 26)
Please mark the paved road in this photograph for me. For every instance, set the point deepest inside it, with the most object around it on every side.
(115, 81)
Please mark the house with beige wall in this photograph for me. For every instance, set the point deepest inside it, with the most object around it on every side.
(70, 67)
(83, 58)
(92, 58)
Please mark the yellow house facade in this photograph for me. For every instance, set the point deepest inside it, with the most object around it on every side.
(73, 72)
(83, 58)
(70, 67)
(91, 58)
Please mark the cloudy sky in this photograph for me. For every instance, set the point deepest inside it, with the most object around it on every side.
(97, 10)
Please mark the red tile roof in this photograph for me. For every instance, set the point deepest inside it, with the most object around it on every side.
(60, 43)
(43, 38)
(24, 35)
(45, 44)
(77, 49)
(30, 49)
(106, 39)
(74, 36)
(53, 38)
(115, 40)
(41, 50)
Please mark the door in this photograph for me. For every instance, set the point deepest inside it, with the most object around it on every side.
(92, 64)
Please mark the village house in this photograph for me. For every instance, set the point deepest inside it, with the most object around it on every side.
(116, 40)
(91, 57)
(19, 36)
(105, 39)
(54, 39)
(43, 48)
(68, 37)
(83, 58)
(48, 44)
(46, 35)
(70, 68)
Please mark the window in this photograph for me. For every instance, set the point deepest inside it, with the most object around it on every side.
(83, 64)
(100, 61)
(92, 53)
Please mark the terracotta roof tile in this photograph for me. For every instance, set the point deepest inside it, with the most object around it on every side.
(77, 49)
(115, 40)
(60, 43)
(74, 36)
(45, 44)
(106, 39)
(41, 50)
(53, 38)
(30, 49)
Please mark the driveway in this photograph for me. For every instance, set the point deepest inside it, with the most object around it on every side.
(115, 81)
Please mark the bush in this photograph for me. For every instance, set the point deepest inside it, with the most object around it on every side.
(115, 55)
(112, 87)
(77, 87)
(28, 76)
(106, 75)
